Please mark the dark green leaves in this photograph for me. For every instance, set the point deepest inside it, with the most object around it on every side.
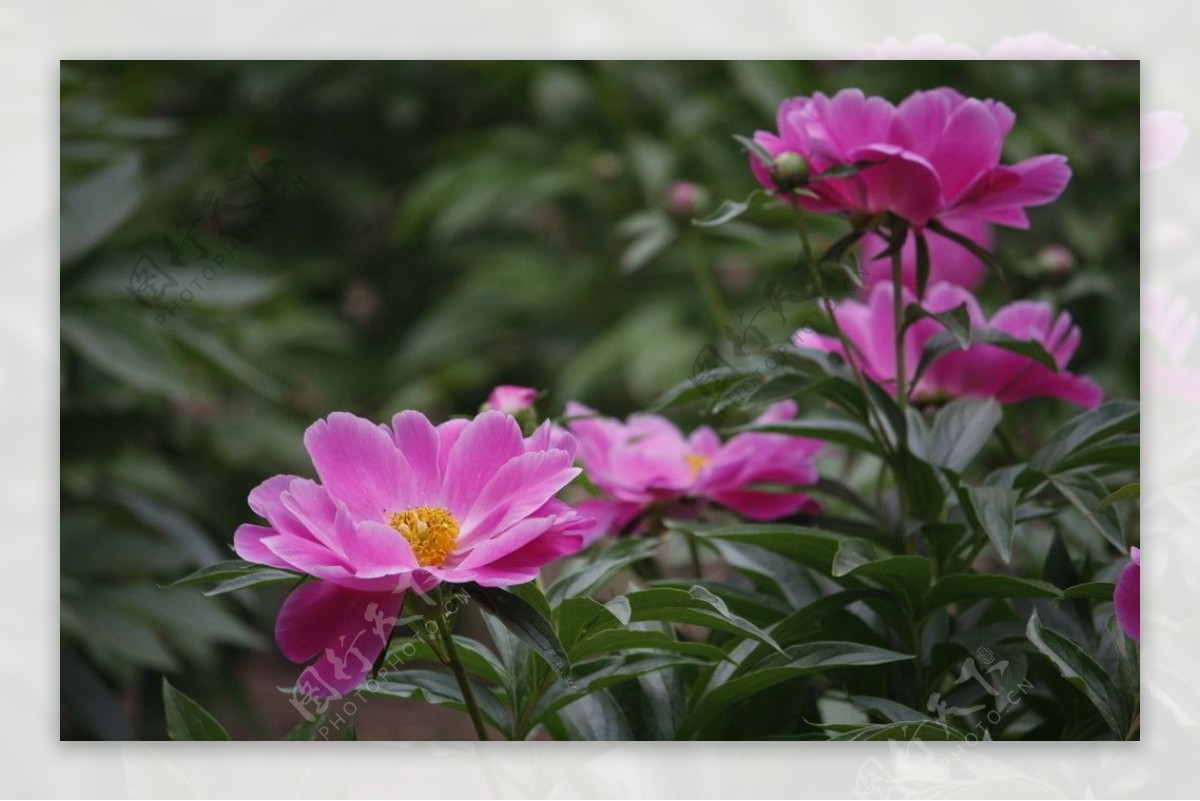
(961, 429)
(187, 720)
(1066, 447)
(1081, 670)
(959, 587)
(236, 575)
(525, 622)
(992, 511)
(795, 661)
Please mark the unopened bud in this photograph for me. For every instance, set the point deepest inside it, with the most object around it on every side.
(790, 170)
(1055, 260)
(685, 199)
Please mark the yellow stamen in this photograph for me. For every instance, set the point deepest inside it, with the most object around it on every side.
(430, 530)
(696, 461)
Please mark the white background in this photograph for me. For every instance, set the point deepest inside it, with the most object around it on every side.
(35, 35)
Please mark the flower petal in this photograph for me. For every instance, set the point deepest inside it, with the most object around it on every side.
(348, 629)
(358, 464)
(484, 446)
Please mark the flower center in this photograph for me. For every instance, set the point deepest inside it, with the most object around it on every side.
(696, 461)
(430, 530)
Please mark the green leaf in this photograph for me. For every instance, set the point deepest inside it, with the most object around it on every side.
(581, 617)
(908, 575)
(706, 385)
(1092, 591)
(130, 347)
(843, 432)
(956, 321)
(961, 429)
(765, 158)
(1085, 493)
(958, 587)
(993, 511)
(945, 342)
(96, 206)
(728, 210)
(795, 661)
(841, 246)
(525, 622)
(808, 546)
(925, 493)
(476, 657)
(1091, 427)
(650, 233)
(1125, 493)
(616, 641)
(697, 606)
(187, 720)
(236, 575)
(1082, 671)
(923, 265)
(584, 580)
(441, 689)
(844, 170)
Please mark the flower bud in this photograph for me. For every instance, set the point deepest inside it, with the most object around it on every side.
(1055, 260)
(511, 399)
(790, 170)
(686, 199)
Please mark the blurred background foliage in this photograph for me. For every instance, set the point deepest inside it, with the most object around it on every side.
(249, 246)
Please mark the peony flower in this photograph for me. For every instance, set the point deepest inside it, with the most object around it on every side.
(1164, 133)
(981, 370)
(511, 399)
(936, 157)
(922, 47)
(407, 507)
(948, 261)
(1127, 598)
(1042, 46)
(647, 460)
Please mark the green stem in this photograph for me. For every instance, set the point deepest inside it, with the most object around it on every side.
(898, 312)
(461, 675)
(694, 551)
(708, 287)
(848, 347)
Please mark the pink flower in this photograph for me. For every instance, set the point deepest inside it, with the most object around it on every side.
(1164, 133)
(948, 261)
(1042, 46)
(409, 506)
(981, 370)
(1127, 598)
(923, 46)
(511, 399)
(647, 460)
(937, 156)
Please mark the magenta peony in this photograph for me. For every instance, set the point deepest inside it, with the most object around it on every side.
(647, 460)
(981, 370)
(1127, 598)
(511, 399)
(936, 156)
(407, 507)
